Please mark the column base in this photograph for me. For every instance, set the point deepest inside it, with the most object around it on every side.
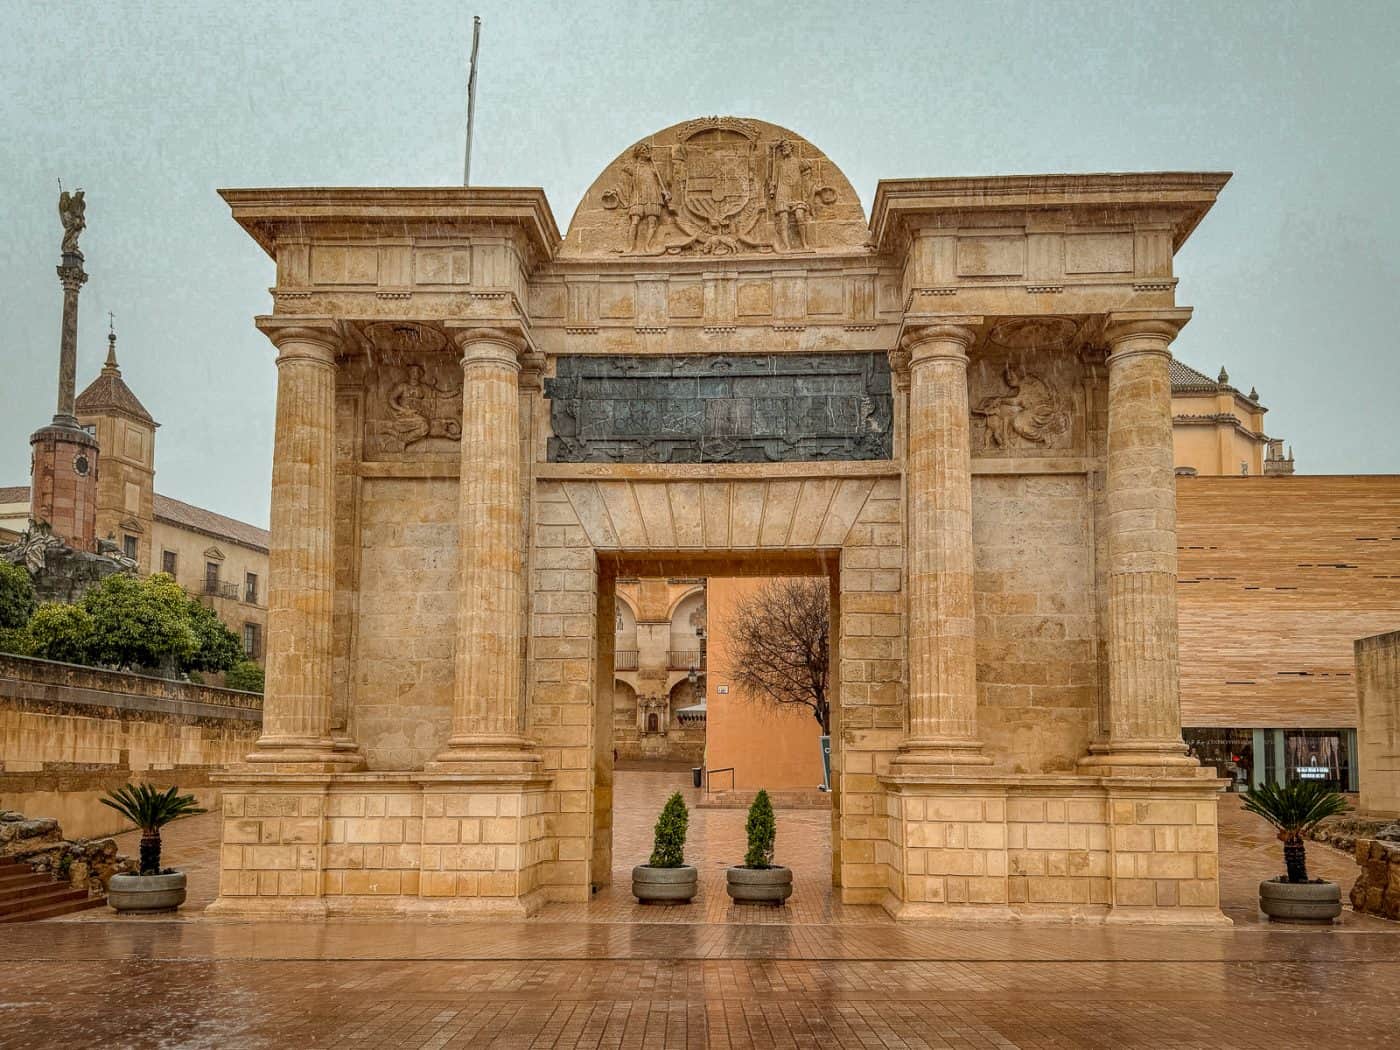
(940, 756)
(1141, 758)
(488, 755)
(305, 755)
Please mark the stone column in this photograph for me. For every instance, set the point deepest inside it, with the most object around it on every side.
(1144, 711)
(486, 708)
(301, 562)
(72, 277)
(938, 481)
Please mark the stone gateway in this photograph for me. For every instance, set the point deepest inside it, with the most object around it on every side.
(958, 411)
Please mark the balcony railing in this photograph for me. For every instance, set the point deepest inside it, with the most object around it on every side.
(625, 660)
(221, 589)
(684, 659)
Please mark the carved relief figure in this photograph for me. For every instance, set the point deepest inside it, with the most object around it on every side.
(648, 197)
(417, 410)
(1031, 414)
(789, 191)
(71, 210)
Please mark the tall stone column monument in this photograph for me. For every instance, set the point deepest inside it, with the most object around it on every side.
(63, 492)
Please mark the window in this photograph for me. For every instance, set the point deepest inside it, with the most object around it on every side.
(250, 588)
(129, 546)
(252, 641)
(167, 562)
(211, 575)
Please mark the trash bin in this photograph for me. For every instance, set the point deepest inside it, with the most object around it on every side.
(697, 775)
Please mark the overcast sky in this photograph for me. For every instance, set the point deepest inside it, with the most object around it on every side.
(151, 106)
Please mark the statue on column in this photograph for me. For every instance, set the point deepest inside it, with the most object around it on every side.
(71, 208)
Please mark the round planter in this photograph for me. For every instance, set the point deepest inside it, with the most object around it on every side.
(664, 885)
(146, 892)
(1306, 902)
(759, 885)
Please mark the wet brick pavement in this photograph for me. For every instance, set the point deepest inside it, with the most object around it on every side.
(612, 974)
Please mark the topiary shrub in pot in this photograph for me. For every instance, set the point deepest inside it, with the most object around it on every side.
(150, 809)
(1295, 809)
(667, 878)
(758, 880)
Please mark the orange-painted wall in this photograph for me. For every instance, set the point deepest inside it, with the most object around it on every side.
(769, 747)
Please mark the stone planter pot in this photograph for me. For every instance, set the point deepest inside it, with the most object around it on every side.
(759, 885)
(146, 892)
(1304, 902)
(664, 885)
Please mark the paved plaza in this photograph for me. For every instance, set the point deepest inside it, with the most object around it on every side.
(613, 974)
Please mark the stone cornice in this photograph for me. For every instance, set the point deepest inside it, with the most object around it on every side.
(1187, 195)
(267, 214)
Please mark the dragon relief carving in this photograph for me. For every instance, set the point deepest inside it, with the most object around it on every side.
(720, 191)
(1032, 414)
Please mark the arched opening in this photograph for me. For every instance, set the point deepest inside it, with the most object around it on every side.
(625, 641)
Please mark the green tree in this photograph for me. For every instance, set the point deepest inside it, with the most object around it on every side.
(16, 640)
(668, 846)
(141, 622)
(762, 830)
(17, 601)
(63, 632)
(244, 675)
(218, 648)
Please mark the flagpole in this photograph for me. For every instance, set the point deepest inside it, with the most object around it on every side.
(471, 101)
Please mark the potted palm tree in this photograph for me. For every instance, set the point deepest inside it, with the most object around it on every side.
(667, 878)
(1295, 809)
(758, 880)
(150, 809)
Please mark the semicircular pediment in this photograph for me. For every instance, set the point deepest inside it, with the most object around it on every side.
(718, 186)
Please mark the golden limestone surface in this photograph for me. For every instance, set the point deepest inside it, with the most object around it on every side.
(1006, 737)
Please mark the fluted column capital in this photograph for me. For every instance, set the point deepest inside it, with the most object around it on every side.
(1130, 332)
(311, 339)
(487, 345)
(931, 338)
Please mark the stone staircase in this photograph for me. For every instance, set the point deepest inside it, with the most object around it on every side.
(26, 896)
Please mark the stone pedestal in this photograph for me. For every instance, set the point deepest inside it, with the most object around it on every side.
(411, 844)
(1045, 848)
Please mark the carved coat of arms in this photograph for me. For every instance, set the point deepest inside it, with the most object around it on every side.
(719, 191)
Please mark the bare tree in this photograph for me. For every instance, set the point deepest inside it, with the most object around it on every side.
(780, 645)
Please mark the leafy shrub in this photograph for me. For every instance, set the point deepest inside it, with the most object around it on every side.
(668, 847)
(17, 601)
(762, 829)
(247, 676)
(61, 632)
(16, 640)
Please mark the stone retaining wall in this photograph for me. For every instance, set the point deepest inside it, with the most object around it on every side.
(68, 733)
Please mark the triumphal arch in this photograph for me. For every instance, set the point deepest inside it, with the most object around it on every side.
(957, 409)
